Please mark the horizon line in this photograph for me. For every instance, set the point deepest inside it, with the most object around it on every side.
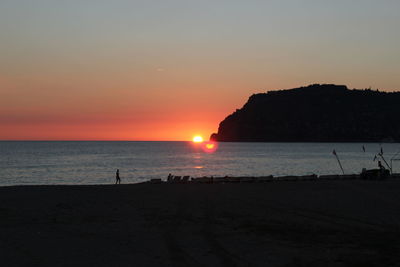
(83, 140)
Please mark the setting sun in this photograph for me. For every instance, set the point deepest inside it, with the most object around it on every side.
(197, 139)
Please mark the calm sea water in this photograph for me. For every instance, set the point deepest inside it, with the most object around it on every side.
(96, 162)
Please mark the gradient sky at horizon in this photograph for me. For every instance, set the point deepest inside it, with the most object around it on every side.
(167, 70)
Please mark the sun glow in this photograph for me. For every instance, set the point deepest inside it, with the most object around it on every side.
(210, 147)
(197, 139)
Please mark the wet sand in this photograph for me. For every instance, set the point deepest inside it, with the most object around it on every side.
(313, 223)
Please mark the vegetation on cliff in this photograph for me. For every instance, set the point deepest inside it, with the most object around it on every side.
(316, 113)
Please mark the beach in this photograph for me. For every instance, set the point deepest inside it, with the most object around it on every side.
(308, 223)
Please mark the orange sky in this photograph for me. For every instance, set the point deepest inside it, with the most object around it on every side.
(138, 70)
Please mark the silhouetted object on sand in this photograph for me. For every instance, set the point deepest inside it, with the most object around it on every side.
(178, 179)
(375, 174)
(117, 178)
(316, 113)
(337, 158)
(380, 166)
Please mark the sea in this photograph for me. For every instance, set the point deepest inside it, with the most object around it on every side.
(92, 162)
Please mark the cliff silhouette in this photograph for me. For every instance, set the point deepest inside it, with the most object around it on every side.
(315, 113)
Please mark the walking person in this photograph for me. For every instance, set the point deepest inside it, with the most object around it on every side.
(117, 178)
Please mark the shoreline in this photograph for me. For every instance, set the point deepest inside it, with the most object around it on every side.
(234, 179)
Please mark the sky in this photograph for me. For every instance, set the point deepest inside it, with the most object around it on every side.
(168, 70)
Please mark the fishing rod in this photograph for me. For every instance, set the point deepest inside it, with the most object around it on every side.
(337, 157)
(380, 154)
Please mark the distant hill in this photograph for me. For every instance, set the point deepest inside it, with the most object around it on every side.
(316, 113)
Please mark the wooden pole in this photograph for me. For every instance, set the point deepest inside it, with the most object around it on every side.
(381, 155)
(337, 157)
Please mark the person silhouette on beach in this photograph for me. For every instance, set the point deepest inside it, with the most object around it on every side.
(169, 178)
(380, 165)
(117, 178)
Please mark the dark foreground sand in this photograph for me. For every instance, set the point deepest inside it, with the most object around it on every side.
(320, 223)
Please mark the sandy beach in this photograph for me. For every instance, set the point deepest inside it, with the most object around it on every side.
(313, 223)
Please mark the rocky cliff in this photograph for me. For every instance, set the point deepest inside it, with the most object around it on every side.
(316, 113)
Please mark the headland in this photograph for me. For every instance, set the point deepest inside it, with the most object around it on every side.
(315, 113)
